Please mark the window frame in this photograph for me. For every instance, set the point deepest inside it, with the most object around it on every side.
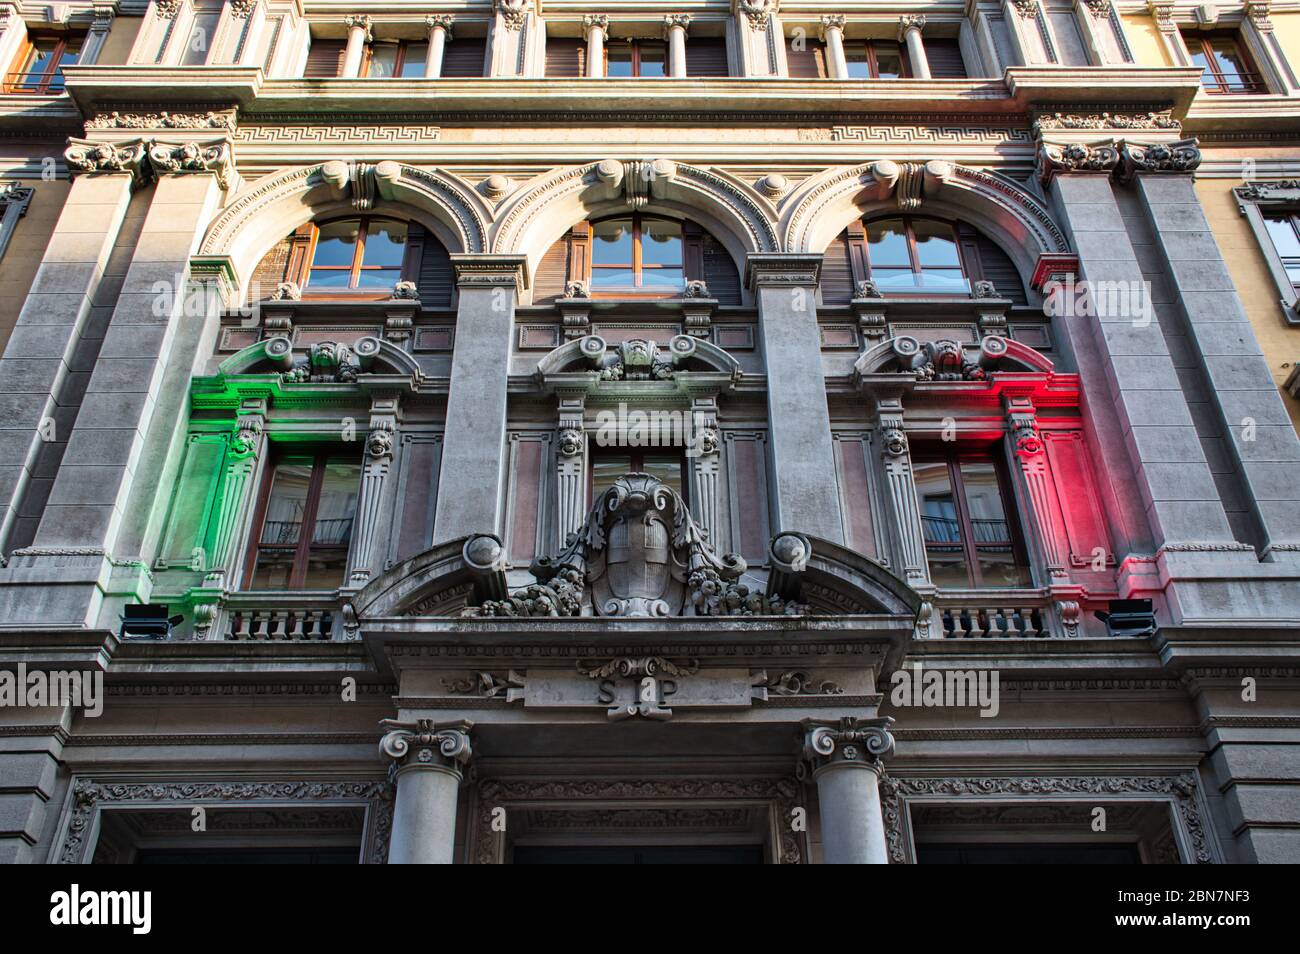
(635, 43)
(637, 266)
(403, 49)
(303, 548)
(1258, 201)
(1204, 43)
(873, 62)
(953, 458)
(637, 464)
(358, 260)
(52, 82)
(913, 254)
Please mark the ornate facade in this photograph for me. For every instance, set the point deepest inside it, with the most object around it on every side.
(751, 431)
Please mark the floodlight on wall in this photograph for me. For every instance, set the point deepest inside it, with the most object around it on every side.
(147, 621)
(1130, 618)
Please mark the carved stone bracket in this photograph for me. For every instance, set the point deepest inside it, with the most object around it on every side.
(1121, 158)
(87, 156)
(759, 13)
(421, 744)
(1181, 156)
(180, 157)
(1055, 159)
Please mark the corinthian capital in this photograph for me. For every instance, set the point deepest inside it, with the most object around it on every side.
(913, 21)
(440, 21)
(176, 157)
(422, 744)
(84, 155)
(865, 742)
(674, 20)
(595, 21)
(359, 21)
(832, 21)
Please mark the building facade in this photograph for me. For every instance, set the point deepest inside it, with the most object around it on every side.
(526, 431)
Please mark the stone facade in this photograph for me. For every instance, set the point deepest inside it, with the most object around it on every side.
(594, 431)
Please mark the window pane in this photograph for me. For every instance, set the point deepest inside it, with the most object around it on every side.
(338, 503)
(611, 242)
(895, 279)
(887, 244)
(999, 565)
(287, 501)
(416, 56)
(385, 243)
(666, 467)
(943, 282)
(661, 242)
(889, 62)
(611, 278)
(858, 62)
(383, 61)
(378, 278)
(653, 60)
(1283, 235)
(667, 278)
(272, 570)
(325, 569)
(935, 247)
(336, 243)
(202, 34)
(939, 524)
(618, 59)
(329, 278)
(607, 468)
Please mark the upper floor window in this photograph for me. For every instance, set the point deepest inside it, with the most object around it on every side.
(970, 536)
(876, 59)
(637, 254)
(38, 68)
(636, 57)
(608, 465)
(1284, 230)
(203, 30)
(396, 59)
(303, 525)
(1225, 65)
(912, 255)
(357, 255)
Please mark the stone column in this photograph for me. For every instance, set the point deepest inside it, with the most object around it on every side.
(675, 25)
(473, 454)
(358, 36)
(803, 459)
(705, 464)
(832, 34)
(36, 370)
(909, 32)
(1031, 455)
(439, 33)
(98, 33)
(900, 486)
(427, 767)
(596, 27)
(374, 478)
(845, 759)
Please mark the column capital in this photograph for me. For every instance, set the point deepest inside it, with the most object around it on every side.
(848, 742)
(421, 744)
(912, 21)
(674, 21)
(440, 21)
(1057, 158)
(493, 270)
(595, 21)
(89, 156)
(829, 22)
(1181, 156)
(790, 269)
(359, 21)
(214, 156)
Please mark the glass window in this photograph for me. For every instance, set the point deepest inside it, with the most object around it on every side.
(970, 539)
(1225, 67)
(358, 255)
(915, 256)
(202, 33)
(639, 58)
(390, 59)
(306, 525)
(42, 65)
(875, 59)
(665, 465)
(1284, 230)
(637, 254)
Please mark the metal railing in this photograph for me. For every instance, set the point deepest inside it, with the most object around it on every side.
(33, 84)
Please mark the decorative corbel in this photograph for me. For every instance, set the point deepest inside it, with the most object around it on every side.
(87, 156)
(1031, 455)
(377, 463)
(214, 156)
(1181, 156)
(1054, 159)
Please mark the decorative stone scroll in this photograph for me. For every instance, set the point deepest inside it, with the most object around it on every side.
(84, 155)
(420, 742)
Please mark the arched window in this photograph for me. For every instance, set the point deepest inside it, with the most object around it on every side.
(917, 255)
(637, 256)
(361, 257)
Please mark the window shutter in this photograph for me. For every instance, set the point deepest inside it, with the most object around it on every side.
(270, 270)
(693, 251)
(808, 63)
(580, 252)
(945, 59)
(720, 272)
(985, 261)
(565, 57)
(436, 276)
(552, 273)
(706, 56)
(300, 254)
(856, 236)
(325, 59)
(463, 58)
(837, 272)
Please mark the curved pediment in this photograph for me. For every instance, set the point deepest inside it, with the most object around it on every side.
(321, 361)
(442, 581)
(948, 360)
(638, 359)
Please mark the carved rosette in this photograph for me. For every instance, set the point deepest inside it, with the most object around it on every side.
(847, 742)
(421, 744)
(85, 156)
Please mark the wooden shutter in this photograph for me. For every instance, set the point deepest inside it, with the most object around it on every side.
(720, 272)
(565, 57)
(837, 272)
(552, 273)
(325, 59)
(706, 56)
(463, 58)
(808, 63)
(270, 270)
(435, 277)
(984, 260)
(693, 251)
(945, 59)
(580, 252)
